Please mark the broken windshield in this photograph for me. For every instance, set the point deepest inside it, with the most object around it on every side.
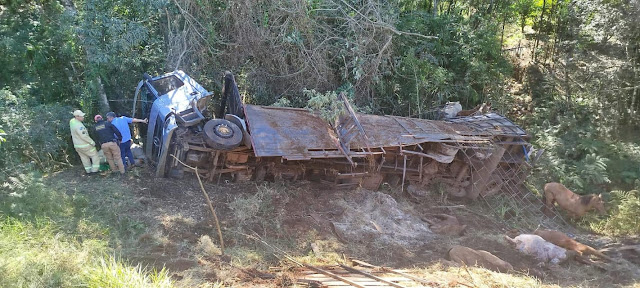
(166, 84)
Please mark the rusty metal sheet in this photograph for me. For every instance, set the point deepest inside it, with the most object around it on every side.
(295, 134)
(389, 131)
(490, 123)
(298, 134)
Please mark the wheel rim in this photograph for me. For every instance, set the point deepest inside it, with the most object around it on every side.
(223, 131)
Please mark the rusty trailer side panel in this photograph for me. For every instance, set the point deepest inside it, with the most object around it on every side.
(490, 124)
(294, 134)
(298, 134)
(389, 131)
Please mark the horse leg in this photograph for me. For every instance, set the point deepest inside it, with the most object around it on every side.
(548, 200)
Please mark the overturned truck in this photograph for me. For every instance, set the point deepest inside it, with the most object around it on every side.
(474, 155)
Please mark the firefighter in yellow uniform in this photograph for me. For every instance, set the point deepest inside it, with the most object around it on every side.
(84, 145)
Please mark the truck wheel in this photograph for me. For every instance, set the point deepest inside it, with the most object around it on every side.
(221, 134)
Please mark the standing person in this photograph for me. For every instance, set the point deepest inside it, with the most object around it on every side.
(109, 138)
(122, 124)
(84, 145)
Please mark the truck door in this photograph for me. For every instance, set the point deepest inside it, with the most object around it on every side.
(146, 102)
(156, 145)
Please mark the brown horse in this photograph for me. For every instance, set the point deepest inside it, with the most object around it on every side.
(560, 239)
(575, 204)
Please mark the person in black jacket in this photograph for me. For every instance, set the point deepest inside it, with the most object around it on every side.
(109, 138)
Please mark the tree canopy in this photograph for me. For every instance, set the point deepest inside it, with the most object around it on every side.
(565, 70)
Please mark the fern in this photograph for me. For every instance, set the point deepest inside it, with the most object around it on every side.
(625, 215)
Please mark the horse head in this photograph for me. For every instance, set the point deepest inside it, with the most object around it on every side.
(597, 203)
(487, 108)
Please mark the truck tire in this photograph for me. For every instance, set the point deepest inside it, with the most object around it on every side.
(221, 134)
(236, 120)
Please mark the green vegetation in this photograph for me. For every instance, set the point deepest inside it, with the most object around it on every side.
(52, 239)
(623, 220)
(39, 254)
(567, 71)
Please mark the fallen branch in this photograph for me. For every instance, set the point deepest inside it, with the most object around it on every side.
(206, 196)
(448, 207)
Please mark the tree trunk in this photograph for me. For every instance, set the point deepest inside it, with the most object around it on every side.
(567, 84)
(504, 20)
(490, 8)
(435, 8)
(549, 47)
(104, 102)
(535, 47)
(569, 54)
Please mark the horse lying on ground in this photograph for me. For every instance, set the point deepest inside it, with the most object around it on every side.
(542, 250)
(575, 204)
(445, 225)
(560, 239)
(467, 256)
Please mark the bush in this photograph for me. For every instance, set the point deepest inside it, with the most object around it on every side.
(624, 214)
(26, 197)
(36, 136)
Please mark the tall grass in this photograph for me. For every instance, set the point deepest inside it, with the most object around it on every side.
(61, 236)
(37, 254)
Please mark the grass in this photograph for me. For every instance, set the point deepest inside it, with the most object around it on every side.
(52, 238)
(38, 254)
(475, 277)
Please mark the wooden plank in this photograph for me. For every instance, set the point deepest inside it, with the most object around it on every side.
(419, 280)
(371, 276)
(352, 277)
(332, 275)
(372, 284)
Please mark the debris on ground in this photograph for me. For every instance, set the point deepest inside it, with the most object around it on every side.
(376, 216)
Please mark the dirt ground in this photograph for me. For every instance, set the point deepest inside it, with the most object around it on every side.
(318, 225)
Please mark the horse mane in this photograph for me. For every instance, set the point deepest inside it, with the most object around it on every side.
(585, 199)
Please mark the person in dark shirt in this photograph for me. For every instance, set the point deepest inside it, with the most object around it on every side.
(109, 138)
